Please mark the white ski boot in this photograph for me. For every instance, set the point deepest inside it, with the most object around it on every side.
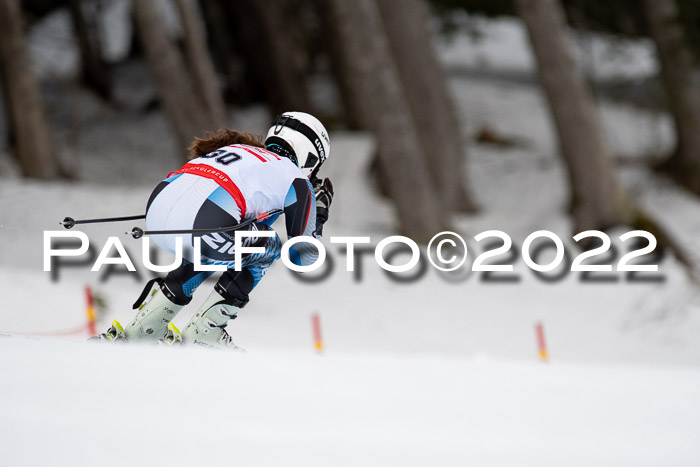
(115, 333)
(207, 325)
(172, 337)
(154, 315)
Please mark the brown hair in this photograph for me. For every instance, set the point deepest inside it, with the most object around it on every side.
(221, 138)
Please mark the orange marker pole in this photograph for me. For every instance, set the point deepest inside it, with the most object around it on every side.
(92, 329)
(541, 345)
(316, 327)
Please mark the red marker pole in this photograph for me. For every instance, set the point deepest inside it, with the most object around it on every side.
(316, 328)
(541, 345)
(92, 329)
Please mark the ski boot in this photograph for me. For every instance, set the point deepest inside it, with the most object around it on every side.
(155, 313)
(115, 333)
(207, 327)
(172, 336)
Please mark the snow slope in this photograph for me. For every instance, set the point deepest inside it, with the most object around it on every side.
(140, 406)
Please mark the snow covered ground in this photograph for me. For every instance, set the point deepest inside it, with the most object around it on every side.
(440, 371)
(142, 406)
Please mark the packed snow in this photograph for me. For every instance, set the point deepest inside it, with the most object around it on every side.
(143, 406)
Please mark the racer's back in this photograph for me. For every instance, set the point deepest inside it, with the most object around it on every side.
(263, 178)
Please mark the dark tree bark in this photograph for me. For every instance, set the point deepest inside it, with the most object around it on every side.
(373, 75)
(429, 99)
(272, 42)
(95, 72)
(32, 135)
(682, 91)
(340, 70)
(199, 61)
(176, 89)
(598, 199)
(236, 89)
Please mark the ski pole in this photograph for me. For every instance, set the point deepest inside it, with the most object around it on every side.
(69, 222)
(138, 233)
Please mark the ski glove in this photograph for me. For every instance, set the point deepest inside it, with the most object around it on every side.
(323, 189)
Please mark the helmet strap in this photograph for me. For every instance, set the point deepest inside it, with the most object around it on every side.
(297, 125)
(314, 173)
(281, 148)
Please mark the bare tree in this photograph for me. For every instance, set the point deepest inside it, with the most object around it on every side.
(598, 199)
(375, 79)
(34, 148)
(218, 26)
(340, 69)
(95, 72)
(428, 96)
(271, 35)
(682, 91)
(283, 29)
(200, 62)
(176, 88)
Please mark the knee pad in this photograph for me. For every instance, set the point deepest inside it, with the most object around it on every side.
(235, 286)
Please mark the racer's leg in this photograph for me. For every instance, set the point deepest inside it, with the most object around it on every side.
(158, 306)
(231, 293)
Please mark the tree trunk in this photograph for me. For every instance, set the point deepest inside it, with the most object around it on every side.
(218, 25)
(176, 89)
(32, 134)
(374, 76)
(95, 72)
(340, 70)
(598, 199)
(200, 62)
(682, 91)
(275, 52)
(432, 107)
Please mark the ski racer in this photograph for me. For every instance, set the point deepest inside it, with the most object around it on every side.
(231, 177)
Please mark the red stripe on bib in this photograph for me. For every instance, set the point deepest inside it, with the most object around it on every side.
(224, 181)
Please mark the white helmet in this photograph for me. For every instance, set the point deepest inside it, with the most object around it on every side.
(300, 137)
